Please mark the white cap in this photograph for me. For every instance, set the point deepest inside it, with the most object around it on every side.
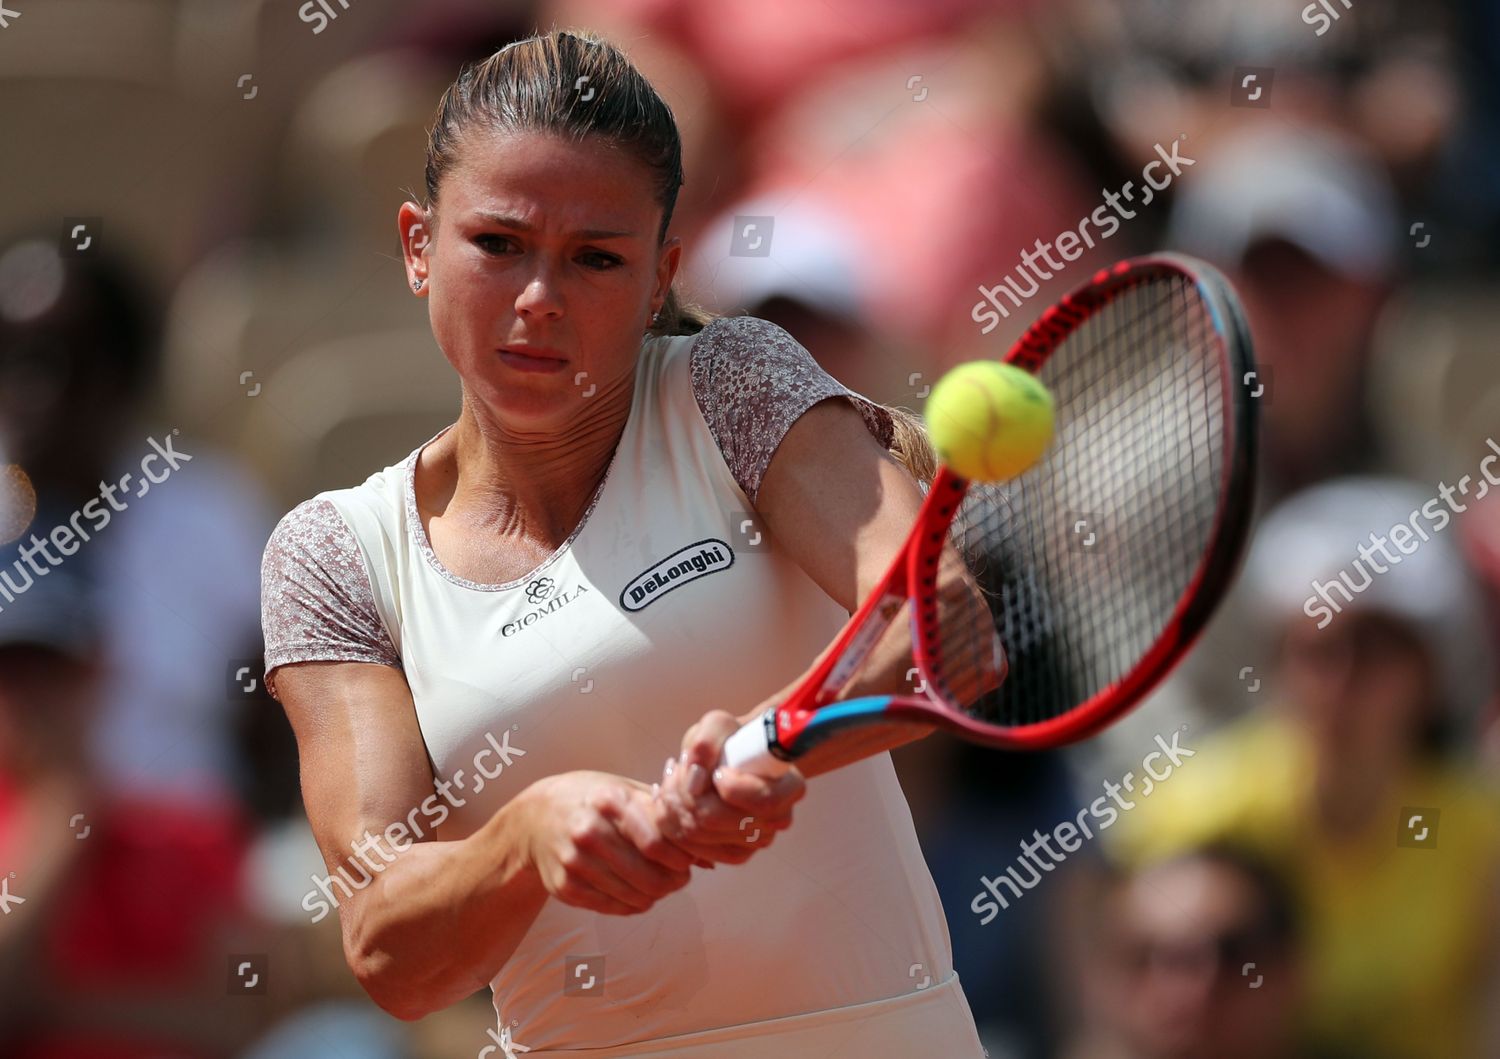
(1315, 535)
(813, 258)
(1308, 188)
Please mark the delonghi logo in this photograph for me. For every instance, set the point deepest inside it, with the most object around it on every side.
(536, 592)
(679, 568)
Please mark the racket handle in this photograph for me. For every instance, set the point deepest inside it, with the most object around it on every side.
(749, 749)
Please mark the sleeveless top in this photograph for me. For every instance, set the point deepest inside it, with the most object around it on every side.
(666, 601)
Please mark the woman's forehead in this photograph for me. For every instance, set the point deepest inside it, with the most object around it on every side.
(592, 180)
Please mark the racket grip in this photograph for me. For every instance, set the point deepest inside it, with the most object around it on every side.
(749, 749)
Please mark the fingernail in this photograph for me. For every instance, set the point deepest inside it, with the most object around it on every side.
(655, 791)
(718, 776)
(669, 768)
(697, 779)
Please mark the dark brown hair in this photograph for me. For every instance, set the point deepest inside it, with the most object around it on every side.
(575, 85)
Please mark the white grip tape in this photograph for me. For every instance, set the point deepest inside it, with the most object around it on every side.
(749, 749)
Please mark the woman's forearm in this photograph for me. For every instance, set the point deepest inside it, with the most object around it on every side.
(890, 670)
(440, 920)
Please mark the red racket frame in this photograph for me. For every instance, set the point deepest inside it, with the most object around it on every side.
(913, 575)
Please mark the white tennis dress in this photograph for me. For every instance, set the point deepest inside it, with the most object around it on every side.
(665, 602)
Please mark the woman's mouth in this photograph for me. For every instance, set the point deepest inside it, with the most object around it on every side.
(532, 358)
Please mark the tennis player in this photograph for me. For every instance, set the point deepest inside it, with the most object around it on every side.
(642, 528)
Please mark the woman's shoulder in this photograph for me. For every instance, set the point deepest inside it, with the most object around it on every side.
(317, 598)
(739, 357)
(311, 539)
(727, 339)
(751, 380)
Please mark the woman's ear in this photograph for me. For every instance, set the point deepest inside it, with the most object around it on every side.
(666, 271)
(412, 223)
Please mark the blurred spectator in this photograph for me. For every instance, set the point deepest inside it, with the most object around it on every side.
(1355, 786)
(178, 587)
(946, 180)
(1304, 225)
(1194, 958)
(115, 946)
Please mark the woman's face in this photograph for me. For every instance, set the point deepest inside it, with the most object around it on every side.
(547, 248)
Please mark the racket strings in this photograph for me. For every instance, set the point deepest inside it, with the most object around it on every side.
(1083, 560)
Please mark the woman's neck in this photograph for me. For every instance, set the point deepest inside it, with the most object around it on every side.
(526, 485)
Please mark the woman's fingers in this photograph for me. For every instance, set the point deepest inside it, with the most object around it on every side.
(703, 745)
(758, 795)
(642, 820)
(615, 847)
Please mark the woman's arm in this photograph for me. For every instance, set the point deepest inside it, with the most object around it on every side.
(841, 506)
(436, 923)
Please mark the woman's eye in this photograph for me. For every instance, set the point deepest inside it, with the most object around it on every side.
(488, 242)
(598, 259)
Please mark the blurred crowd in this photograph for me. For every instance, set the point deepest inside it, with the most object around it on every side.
(199, 257)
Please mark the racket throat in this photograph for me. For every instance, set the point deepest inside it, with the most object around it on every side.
(860, 646)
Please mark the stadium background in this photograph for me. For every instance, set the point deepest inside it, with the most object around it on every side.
(199, 206)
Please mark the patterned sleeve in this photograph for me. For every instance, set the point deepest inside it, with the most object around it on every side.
(316, 603)
(752, 380)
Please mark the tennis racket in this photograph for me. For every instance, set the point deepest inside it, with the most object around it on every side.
(1087, 578)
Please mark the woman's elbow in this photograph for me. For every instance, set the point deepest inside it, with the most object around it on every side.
(393, 986)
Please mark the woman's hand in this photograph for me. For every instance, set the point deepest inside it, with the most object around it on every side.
(722, 813)
(585, 840)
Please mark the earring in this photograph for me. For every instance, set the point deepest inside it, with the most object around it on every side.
(416, 284)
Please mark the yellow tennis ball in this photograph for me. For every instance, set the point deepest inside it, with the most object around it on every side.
(990, 421)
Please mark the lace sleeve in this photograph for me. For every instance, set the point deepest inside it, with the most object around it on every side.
(315, 598)
(752, 380)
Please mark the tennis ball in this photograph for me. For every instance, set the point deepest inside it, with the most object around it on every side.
(989, 421)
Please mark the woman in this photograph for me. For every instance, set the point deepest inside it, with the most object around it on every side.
(529, 611)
